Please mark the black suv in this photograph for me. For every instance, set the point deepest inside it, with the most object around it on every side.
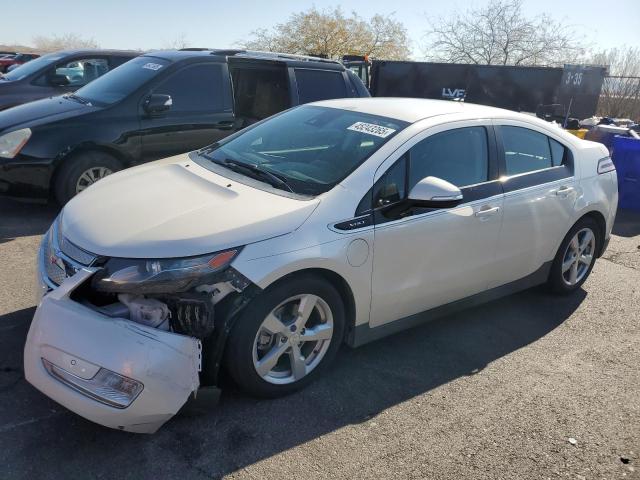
(154, 106)
(57, 73)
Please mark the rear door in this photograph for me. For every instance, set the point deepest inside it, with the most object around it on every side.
(201, 111)
(540, 191)
(261, 88)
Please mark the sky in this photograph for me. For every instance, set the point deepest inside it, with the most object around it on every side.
(148, 24)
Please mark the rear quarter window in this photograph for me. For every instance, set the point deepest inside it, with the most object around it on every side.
(558, 152)
(315, 85)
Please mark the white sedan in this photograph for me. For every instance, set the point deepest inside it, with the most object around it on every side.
(336, 222)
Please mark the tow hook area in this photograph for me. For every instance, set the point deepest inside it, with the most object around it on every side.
(112, 371)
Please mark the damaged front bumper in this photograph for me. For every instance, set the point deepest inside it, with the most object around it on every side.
(80, 342)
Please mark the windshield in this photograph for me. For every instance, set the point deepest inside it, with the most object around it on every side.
(33, 66)
(122, 81)
(311, 148)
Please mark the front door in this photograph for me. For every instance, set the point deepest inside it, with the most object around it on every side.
(424, 258)
(200, 113)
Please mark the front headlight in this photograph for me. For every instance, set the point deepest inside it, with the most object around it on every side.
(11, 143)
(166, 275)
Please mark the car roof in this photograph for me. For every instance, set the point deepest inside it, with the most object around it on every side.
(414, 109)
(99, 51)
(176, 55)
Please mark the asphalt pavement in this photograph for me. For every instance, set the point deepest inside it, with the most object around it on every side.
(532, 386)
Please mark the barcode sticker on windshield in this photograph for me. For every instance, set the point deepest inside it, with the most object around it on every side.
(371, 129)
(152, 66)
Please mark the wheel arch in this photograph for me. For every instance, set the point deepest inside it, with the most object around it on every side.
(598, 217)
(79, 150)
(340, 284)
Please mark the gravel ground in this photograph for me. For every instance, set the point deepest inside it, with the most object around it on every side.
(528, 387)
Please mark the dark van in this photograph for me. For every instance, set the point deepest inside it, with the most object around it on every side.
(154, 106)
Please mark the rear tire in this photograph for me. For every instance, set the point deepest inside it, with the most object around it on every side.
(82, 170)
(575, 257)
(272, 350)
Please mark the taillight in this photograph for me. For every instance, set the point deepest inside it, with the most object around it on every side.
(605, 165)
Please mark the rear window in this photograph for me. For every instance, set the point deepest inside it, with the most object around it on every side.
(525, 150)
(315, 85)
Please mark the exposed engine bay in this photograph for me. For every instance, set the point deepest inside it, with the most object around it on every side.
(191, 313)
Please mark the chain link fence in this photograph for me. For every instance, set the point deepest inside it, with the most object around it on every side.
(620, 98)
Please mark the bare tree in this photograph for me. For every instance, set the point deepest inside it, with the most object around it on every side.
(620, 96)
(61, 42)
(331, 33)
(500, 34)
(180, 41)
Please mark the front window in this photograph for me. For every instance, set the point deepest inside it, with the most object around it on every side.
(311, 148)
(122, 81)
(194, 89)
(459, 156)
(33, 66)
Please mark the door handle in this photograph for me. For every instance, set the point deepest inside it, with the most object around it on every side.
(564, 191)
(486, 211)
(228, 125)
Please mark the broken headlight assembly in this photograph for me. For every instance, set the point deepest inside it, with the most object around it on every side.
(165, 275)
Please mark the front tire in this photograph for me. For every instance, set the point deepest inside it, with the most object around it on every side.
(575, 257)
(81, 171)
(286, 337)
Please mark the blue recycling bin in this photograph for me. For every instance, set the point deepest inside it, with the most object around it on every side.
(626, 158)
(604, 134)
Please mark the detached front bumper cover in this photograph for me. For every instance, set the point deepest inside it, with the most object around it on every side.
(154, 369)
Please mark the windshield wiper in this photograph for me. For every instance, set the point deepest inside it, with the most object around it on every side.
(274, 179)
(77, 98)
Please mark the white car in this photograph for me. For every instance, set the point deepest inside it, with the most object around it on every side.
(336, 222)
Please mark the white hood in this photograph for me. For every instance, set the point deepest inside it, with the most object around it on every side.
(168, 209)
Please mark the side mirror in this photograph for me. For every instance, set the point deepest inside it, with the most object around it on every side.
(433, 192)
(157, 103)
(58, 80)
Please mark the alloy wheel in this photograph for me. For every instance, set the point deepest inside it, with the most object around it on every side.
(578, 256)
(293, 339)
(91, 176)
